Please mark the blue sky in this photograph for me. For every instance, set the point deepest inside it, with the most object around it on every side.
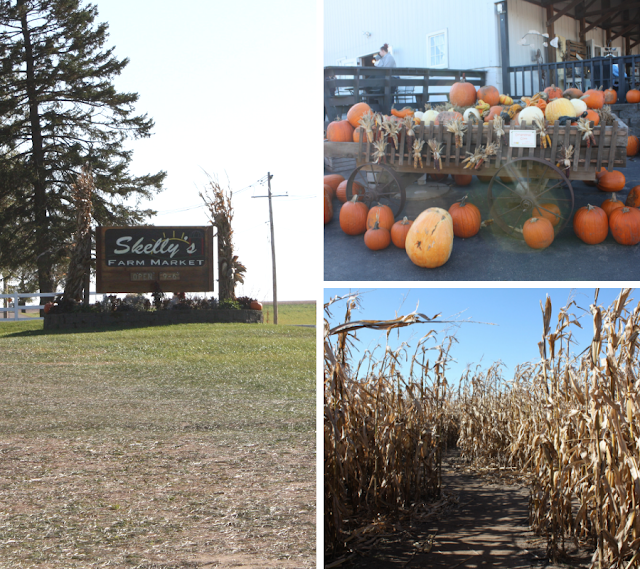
(515, 312)
(218, 80)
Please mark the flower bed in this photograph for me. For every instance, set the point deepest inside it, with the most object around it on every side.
(74, 320)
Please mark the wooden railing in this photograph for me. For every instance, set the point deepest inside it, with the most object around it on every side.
(526, 80)
(384, 87)
(17, 312)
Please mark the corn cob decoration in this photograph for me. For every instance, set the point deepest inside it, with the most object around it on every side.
(584, 126)
(545, 141)
(436, 150)
(458, 128)
(380, 148)
(565, 158)
(417, 152)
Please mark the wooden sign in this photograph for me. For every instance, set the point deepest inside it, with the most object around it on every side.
(154, 259)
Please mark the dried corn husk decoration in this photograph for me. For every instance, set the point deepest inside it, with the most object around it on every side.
(498, 127)
(474, 158)
(392, 129)
(584, 126)
(541, 129)
(417, 152)
(380, 150)
(368, 122)
(457, 128)
(566, 154)
(436, 152)
(408, 123)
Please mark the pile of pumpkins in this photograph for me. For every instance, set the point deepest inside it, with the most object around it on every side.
(486, 103)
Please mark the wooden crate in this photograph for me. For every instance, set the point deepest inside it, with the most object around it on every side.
(609, 151)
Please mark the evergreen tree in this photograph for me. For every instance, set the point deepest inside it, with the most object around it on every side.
(60, 110)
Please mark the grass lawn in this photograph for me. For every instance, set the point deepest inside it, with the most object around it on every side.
(179, 446)
(291, 312)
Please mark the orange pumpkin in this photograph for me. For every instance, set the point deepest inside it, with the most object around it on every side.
(328, 206)
(255, 305)
(593, 117)
(590, 224)
(489, 94)
(462, 179)
(430, 238)
(632, 145)
(633, 199)
(625, 225)
(594, 98)
(47, 307)
(538, 232)
(341, 192)
(553, 92)
(377, 237)
(353, 217)
(399, 232)
(485, 179)
(340, 131)
(462, 94)
(333, 181)
(549, 211)
(611, 203)
(355, 113)
(633, 96)
(610, 96)
(358, 133)
(438, 177)
(610, 181)
(466, 219)
(382, 214)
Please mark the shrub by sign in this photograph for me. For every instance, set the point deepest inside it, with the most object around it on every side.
(154, 259)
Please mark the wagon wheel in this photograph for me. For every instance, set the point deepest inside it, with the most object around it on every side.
(526, 184)
(381, 184)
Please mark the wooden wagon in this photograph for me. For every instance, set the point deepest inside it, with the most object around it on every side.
(522, 179)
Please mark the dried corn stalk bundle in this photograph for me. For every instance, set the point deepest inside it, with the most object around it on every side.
(383, 433)
(572, 424)
(380, 149)
(566, 154)
(392, 129)
(368, 122)
(458, 128)
(417, 152)
(436, 152)
(584, 126)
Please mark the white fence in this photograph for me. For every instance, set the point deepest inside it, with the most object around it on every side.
(23, 312)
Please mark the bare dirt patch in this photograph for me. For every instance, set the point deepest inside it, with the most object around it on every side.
(481, 521)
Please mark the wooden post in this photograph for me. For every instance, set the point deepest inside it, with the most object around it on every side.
(551, 51)
(273, 254)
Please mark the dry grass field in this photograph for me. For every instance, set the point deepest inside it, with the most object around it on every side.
(183, 446)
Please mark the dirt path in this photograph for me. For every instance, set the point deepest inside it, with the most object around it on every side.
(484, 524)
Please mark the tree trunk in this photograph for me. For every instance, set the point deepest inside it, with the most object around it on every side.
(43, 253)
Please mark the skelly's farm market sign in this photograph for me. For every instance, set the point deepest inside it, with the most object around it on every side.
(154, 259)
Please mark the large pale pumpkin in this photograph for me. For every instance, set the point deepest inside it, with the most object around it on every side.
(527, 115)
(558, 108)
(429, 116)
(430, 239)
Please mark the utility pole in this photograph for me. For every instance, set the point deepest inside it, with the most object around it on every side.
(273, 247)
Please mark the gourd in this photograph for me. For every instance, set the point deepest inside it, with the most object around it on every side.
(354, 114)
(382, 214)
(340, 131)
(462, 94)
(505, 100)
(610, 96)
(353, 217)
(489, 94)
(594, 98)
(579, 105)
(471, 112)
(493, 112)
(556, 109)
(538, 232)
(429, 116)
(466, 219)
(633, 96)
(632, 145)
(591, 225)
(429, 240)
(377, 238)
(625, 225)
(610, 181)
(549, 211)
(399, 232)
(611, 203)
(528, 114)
(572, 93)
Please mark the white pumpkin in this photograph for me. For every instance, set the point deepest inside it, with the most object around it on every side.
(471, 111)
(528, 114)
(418, 115)
(429, 116)
(579, 106)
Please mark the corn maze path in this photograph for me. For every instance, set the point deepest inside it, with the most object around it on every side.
(486, 525)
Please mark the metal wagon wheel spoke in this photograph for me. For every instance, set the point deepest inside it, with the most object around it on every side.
(535, 186)
(378, 183)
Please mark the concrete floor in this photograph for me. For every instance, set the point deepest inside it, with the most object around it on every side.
(491, 255)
